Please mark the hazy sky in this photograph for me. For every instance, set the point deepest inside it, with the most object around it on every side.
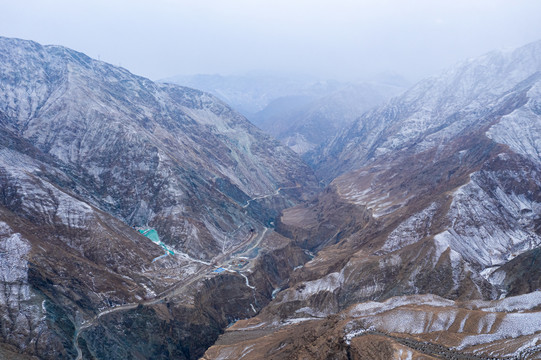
(330, 38)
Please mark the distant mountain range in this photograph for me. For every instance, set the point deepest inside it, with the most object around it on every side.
(253, 92)
(302, 112)
(304, 124)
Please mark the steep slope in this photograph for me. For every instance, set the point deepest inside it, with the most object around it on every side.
(146, 151)
(444, 200)
(431, 112)
(458, 197)
(62, 259)
(89, 154)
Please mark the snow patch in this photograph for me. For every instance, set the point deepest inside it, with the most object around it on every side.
(14, 250)
(299, 320)
(521, 129)
(512, 326)
(412, 230)
(374, 307)
(482, 230)
(352, 334)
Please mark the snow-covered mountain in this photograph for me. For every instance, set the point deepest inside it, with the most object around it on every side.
(142, 150)
(437, 192)
(425, 243)
(458, 156)
(456, 159)
(433, 111)
(89, 152)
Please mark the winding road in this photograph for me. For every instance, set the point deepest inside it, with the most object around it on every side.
(270, 195)
(253, 241)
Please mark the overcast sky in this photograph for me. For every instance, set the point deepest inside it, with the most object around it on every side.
(328, 38)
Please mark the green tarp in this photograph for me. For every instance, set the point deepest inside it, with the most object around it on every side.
(153, 235)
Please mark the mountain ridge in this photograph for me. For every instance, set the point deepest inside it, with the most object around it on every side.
(429, 106)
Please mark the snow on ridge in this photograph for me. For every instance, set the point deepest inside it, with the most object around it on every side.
(521, 129)
(477, 231)
(299, 320)
(313, 312)
(512, 326)
(354, 333)
(411, 230)
(374, 307)
(39, 195)
(513, 303)
(510, 304)
(420, 314)
(70, 211)
(16, 161)
(329, 283)
(438, 108)
(411, 320)
(379, 204)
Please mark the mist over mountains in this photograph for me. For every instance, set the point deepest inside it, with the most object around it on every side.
(300, 111)
(149, 220)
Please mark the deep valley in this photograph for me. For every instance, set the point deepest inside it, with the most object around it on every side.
(147, 220)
